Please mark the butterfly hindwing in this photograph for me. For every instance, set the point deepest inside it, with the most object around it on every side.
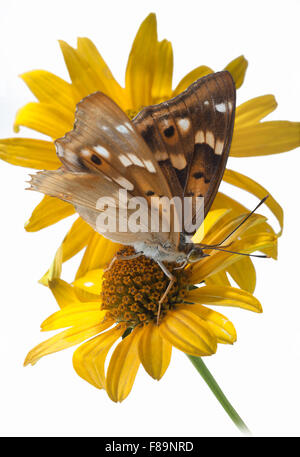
(85, 191)
(212, 137)
(190, 136)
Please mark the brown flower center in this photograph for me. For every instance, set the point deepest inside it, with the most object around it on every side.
(132, 289)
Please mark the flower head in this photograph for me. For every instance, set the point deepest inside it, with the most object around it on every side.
(121, 303)
(101, 307)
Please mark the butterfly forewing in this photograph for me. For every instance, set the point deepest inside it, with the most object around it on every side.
(190, 137)
(103, 139)
(104, 147)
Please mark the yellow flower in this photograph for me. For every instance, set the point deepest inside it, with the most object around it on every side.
(148, 80)
(104, 306)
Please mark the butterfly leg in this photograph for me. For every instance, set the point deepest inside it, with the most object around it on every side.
(172, 281)
(123, 257)
(184, 263)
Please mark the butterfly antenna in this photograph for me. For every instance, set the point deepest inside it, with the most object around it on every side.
(262, 256)
(207, 246)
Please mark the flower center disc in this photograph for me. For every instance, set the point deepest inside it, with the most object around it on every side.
(132, 289)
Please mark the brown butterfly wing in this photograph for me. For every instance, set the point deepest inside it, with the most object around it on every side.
(105, 153)
(104, 140)
(190, 136)
(84, 191)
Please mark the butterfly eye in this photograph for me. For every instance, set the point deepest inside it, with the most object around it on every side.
(195, 254)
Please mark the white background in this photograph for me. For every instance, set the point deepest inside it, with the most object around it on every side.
(260, 373)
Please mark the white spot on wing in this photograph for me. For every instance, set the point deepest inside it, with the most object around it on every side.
(219, 147)
(122, 129)
(184, 124)
(102, 151)
(161, 155)
(149, 165)
(199, 137)
(221, 107)
(86, 152)
(178, 161)
(124, 160)
(135, 160)
(125, 183)
(210, 139)
(129, 126)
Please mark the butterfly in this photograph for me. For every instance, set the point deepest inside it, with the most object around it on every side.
(178, 148)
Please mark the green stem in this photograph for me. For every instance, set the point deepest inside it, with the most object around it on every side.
(215, 388)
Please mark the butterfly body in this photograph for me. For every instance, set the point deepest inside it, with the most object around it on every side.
(165, 252)
(177, 149)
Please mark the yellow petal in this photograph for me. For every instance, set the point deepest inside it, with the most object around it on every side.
(74, 315)
(219, 325)
(254, 110)
(219, 279)
(191, 77)
(48, 212)
(27, 152)
(154, 351)
(162, 82)
(83, 77)
(265, 138)
(267, 241)
(89, 358)
(243, 273)
(99, 252)
(222, 260)
(209, 222)
(237, 68)
(85, 296)
(49, 88)
(141, 64)
(91, 282)
(63, 292)
(188, 332)
(123, 367)
(54, 271)
(231, 226)
(44, 118)
(223, 201)
(264, 227)
(248, 184)
(75, 240)
(63, 340)
(106, 83)
(224, 296)
(262, 239)
(272, 250)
